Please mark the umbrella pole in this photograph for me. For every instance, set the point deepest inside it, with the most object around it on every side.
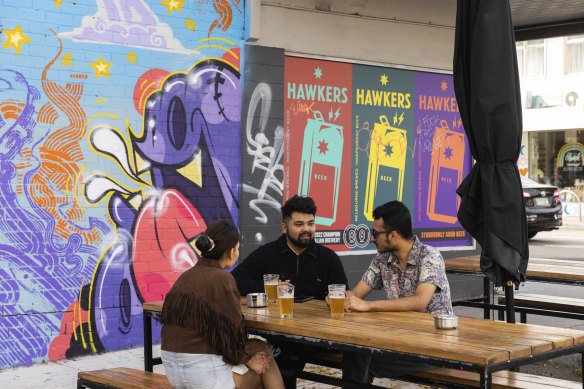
(510, 301)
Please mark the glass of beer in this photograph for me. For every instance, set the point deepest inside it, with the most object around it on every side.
(286, 300)
(271, 282)
(337, 299)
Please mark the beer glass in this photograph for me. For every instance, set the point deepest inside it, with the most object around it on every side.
(286, 300)
(337, 299)
(271, 282)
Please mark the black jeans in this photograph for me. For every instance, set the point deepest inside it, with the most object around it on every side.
(291, 360)
(362, 368)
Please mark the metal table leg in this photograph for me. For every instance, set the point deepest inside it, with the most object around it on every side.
(147, 317)
(486, 380)
(487, 291)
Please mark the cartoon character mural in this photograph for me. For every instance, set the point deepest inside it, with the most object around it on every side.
(95, 217)
(192, 119)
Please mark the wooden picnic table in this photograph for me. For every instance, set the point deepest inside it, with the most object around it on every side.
(557, 271)
(477, 345)
(561, 271)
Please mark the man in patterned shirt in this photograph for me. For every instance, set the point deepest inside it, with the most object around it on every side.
(413, 277)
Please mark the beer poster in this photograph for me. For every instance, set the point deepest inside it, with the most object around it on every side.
(358, 136)
(383, 118)
(317, 103)
(442, 161)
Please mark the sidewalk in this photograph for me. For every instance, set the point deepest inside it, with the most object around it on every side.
(63, 374)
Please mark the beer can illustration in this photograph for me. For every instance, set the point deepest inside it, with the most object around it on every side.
(387, 163)
(320, 166)
(446, 173)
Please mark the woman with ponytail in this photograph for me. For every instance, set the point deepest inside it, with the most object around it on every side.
(204, 340)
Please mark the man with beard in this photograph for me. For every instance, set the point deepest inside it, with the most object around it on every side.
(295, 256)
(413, 277)
(299, 260)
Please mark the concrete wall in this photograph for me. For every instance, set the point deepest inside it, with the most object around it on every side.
(415, 33)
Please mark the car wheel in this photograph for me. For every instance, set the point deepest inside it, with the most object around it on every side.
(531, 234)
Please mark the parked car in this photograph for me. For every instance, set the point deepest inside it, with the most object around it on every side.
(543, 206)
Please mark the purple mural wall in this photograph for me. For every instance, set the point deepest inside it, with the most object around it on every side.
(119, 142)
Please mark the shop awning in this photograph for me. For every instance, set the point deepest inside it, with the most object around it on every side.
(536, 19)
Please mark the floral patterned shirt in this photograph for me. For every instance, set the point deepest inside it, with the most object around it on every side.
(425, 265)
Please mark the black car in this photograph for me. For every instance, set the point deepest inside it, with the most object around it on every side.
(542, 206)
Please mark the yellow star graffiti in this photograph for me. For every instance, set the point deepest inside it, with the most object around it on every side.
(383, 79)
(67, 60)
(101, 68)
(132, 57)
(15, 38)
(173, 5)
(190, 24)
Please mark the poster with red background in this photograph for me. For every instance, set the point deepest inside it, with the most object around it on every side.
(318, 134)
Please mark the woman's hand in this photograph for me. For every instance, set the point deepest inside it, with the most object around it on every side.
(259, 362)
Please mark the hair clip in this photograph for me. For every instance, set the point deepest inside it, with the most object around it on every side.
(212, 245)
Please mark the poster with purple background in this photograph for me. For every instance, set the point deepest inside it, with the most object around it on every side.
(442, 160)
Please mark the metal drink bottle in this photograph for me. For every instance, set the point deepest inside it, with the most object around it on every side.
(446, 173)
(320, 167)
(387, 162)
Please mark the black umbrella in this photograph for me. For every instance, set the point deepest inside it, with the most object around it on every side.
(486, 82)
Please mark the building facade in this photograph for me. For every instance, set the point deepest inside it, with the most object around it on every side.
(552, 83)
(127, 126)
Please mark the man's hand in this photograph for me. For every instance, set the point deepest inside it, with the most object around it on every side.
(348, 293)
(354, 303)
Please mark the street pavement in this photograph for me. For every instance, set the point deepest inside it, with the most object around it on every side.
(63, 374)
(567, 242)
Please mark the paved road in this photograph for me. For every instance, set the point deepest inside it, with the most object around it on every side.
(565, 243)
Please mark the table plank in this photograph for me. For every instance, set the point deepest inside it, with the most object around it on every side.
(571, 271)
(473, 335)
(386, 332)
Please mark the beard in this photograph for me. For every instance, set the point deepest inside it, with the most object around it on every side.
(386, 249)
(303, 240)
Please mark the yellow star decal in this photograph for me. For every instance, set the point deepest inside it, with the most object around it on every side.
(190, 24)
(67, 60)
(443, 86)
(101, 68)
(383, 79)
(173, 5)
(15, 38)
(132, 57)
(58, 3)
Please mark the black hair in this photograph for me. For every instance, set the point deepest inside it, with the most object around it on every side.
(298, 204)
(396, 216)
(218, 238)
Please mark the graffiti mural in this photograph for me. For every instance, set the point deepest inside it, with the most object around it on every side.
(119, 143)
(262, 147)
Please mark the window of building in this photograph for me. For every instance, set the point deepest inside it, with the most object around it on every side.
(574, 54)
(531, 58)
(544, 150)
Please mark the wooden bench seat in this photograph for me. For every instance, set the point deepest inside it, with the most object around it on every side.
(501, 379)
(546, 302)
(121, 378)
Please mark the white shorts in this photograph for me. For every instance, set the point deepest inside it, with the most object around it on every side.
(197, 371)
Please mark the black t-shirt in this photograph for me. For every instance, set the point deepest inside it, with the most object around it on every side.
(310, 272)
